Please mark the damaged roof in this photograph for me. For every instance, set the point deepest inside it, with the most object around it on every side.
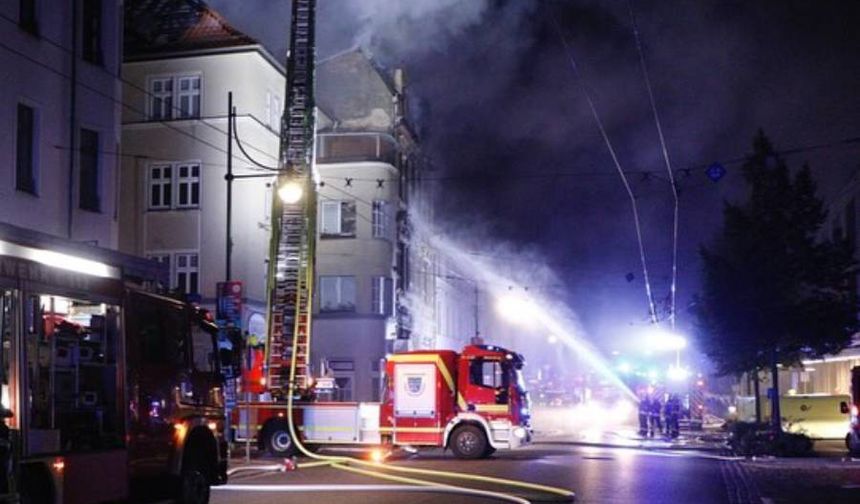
(155, 27)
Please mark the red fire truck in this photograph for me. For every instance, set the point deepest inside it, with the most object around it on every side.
(472, 402)
(103, 384)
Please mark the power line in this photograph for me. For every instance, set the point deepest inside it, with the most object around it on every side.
(606, 140)
(146, 92)
(653, 103)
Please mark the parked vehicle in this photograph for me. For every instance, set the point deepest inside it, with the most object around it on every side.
(852, 439)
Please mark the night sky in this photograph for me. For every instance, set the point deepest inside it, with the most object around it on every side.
(518, 157)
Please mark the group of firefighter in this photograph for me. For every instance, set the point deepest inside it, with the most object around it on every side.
(656, 418)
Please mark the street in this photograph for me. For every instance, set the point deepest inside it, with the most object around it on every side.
(595, 474)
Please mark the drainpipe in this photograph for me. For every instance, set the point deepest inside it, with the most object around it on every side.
(72, 118)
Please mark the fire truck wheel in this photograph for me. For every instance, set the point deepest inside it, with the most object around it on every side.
(277, 440)
(469, 442)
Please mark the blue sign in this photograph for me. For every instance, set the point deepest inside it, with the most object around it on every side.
(715, 172)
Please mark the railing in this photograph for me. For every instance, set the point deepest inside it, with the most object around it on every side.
(356, 147)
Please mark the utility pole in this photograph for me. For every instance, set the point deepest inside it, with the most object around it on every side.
(229, 178)
(477, 327)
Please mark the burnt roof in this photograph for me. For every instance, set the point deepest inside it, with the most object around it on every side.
(154, 27)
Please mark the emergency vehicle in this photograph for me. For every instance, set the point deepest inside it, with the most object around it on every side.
(104, 384)
(852, 439)
(473, 402)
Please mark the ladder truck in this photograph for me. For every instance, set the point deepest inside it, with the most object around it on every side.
(473, 402)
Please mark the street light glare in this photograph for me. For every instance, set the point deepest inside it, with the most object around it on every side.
(290, 192)
(656, 339)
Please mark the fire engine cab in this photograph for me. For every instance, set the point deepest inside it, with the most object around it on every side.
(473, 402)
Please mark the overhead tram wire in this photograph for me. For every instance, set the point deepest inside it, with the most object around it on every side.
(232, 117)
(651, 307)
(647, 79)
(146, 92)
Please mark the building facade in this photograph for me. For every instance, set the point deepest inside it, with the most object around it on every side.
(60, 110)
(181, 61)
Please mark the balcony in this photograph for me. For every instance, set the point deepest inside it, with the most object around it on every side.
(356, 147)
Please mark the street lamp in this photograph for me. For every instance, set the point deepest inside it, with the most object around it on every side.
(291, 192)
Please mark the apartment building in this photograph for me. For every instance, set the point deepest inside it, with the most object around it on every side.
(60, 118)
(181, 61)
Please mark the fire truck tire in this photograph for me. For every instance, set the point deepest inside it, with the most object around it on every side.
(37, 485)
(276, 440)
(469, 442)
(193, 484)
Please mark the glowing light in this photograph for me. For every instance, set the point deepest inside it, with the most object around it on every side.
(517, 309)
(59, 260)
(263, 381)
(733, 410)
(291, 192)
(181, 429)
(58, 465)
(377, 456)
(677, 373)
(552, 339)
(520, 433)
(656, 339)
(624, 367)
(212, 426)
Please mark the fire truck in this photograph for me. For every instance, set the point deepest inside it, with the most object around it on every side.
(852, 439)
(104, 383)
(473, 402)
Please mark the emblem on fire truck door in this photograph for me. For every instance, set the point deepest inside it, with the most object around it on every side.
(415, 385)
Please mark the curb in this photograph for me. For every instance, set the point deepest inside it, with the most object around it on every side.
(636, 446)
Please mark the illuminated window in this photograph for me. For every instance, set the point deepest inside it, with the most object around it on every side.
(337, 293)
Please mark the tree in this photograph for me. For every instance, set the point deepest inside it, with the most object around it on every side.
(774, 292)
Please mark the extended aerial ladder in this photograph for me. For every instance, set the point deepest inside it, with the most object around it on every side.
(292, 242)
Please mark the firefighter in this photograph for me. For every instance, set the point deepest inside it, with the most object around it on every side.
(656, 425)
(644, 412)
(672, 413)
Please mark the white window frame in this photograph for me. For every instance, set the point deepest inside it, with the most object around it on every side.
(176, 183)
(380, 219)
(154, 95)
(188, 270)
(338, 206)
(189, 181)
(172, 257)
(161, 182)
(381, 291)
(340, 304)
(175, 110)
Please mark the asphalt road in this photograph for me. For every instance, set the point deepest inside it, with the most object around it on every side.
(596, 475)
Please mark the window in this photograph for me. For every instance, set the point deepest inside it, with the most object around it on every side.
(188, 96)
(27, 16)
(174, 97)
(89, 171)
(203, 349)
(380, 219)
(382, 295)
(164, 177)
(337, 293)
(25, 166)
(187, 272)
(486, 373)
(188, 185)
(338, 218)
(161, 98)
(92, 31)
(160, 186)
